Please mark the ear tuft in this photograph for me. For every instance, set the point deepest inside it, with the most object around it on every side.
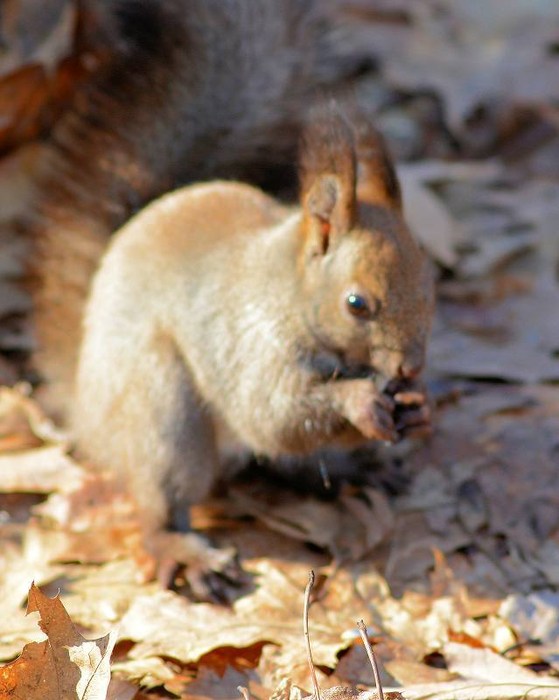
(327, 148)
(328, 171)
(377, 182)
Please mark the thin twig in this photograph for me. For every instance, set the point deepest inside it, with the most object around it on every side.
(369, 649)
(306, 633)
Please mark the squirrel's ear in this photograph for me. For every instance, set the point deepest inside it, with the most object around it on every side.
(327, 171)
(328, 209)
(377, 182)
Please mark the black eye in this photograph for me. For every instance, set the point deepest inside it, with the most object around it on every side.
(359, 307)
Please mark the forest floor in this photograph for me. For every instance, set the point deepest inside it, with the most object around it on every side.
(449, 550)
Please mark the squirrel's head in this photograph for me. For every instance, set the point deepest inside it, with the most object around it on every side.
(367, 285)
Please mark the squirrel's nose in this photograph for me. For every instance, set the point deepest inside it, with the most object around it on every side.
(399, 364)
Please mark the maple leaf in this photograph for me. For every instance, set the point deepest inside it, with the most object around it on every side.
(63, 667)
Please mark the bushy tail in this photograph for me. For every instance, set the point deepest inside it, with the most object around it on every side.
(187, 90)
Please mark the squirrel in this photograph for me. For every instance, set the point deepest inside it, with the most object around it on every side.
(221, 321)
(180, 91)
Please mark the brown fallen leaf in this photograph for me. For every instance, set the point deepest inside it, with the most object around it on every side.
(408, 672)
(122, 690)
(210, 685)
(348, 528)
(287, 690)
(97, 521)
(64, 666)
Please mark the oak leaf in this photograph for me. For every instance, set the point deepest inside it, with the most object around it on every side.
(63, 667)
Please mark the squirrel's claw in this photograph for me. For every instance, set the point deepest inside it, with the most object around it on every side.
(189, 562)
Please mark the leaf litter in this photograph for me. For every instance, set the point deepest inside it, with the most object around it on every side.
(449, 550)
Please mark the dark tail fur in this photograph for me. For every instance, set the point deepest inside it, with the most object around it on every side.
(187, 90)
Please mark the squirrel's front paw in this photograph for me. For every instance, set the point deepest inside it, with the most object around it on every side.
(370, 411)
(412, 414)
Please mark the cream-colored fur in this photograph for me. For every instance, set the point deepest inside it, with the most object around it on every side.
(219, 321)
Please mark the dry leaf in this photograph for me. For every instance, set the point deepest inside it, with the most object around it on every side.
(122, 690)
(23, 424)
(535, 617)
(147, 672)
(98, 596)
(210, 685)
(349, 528)
(40, 471)
(63, 667)
(468, 52)
(167, 626)
(459, 355)
(286, 690)
(464, 690)
(430, 221)
(486, 665)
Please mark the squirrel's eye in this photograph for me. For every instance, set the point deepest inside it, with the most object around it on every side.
(359, 307)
